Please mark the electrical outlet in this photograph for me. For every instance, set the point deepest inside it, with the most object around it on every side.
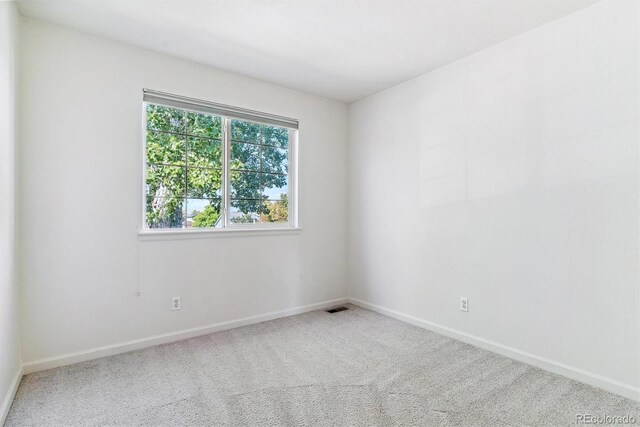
(176, 303)
(464, 304)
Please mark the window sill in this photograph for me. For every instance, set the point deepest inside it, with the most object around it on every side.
(179, 234)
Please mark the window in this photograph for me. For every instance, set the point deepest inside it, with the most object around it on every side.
(212, 166)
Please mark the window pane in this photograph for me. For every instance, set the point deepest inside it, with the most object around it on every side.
(204, 125)
(204, 183)
(245, 185)
(274, 160)
(204, 213)
(206, 153)
(275, 210)
(245, 156)
(165, 119)
(164, 212)
(246, 131)
(259, 134)
(165, 148)
(166, 181)
(277, 136)
(245, 211)
(274, 185)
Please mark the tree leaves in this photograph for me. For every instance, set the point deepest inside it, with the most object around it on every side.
(276, 211)
(207, 218)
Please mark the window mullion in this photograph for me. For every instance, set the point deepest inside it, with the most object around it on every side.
(260, 168)
(226, 176)
(186, 170)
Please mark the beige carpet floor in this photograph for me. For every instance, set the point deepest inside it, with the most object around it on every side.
(354, 367)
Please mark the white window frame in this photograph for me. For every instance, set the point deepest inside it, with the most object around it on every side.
(227, 113)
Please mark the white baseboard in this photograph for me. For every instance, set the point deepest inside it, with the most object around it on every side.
(595, 380)
(110, 350)
(8, 399)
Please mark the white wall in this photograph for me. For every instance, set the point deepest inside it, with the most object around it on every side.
(9, 302)
(511, 177)
(82, 260)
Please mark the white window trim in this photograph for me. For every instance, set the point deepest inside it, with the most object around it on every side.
(292, 226)
(191, 233)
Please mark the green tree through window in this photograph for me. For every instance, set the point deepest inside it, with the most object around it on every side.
(185, 171)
